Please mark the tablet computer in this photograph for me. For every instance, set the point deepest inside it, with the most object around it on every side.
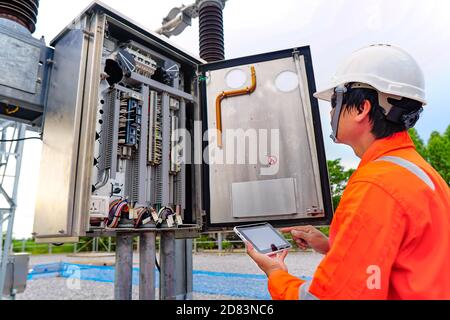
(264, 238)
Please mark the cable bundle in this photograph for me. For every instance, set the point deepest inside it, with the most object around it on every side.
(144, 217)
(116, 209)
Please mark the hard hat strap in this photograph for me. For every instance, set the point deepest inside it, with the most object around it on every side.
(340, 92)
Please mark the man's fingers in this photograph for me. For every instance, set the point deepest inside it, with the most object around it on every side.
(301, 228)
(282, 256)
(302, 244)
(300, 234)
(252, 252)
(249, 246)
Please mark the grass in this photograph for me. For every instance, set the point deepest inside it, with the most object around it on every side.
(205, 242)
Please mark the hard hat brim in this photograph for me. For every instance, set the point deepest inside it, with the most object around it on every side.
(325, 95)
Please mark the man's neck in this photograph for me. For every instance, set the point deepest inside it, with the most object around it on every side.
(363, 144)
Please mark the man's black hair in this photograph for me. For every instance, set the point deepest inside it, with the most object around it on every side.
(382, 127)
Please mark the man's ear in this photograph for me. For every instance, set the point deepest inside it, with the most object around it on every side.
(364, 111)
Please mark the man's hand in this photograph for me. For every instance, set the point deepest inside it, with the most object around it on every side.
(268, 264)
(309, 237)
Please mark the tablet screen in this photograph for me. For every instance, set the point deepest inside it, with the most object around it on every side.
(264, 238)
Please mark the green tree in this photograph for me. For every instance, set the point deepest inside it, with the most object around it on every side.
(436, 152)
(338, 180)
(420, 145)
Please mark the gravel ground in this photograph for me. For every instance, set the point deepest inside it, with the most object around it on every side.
(300, 264)
(66, 289)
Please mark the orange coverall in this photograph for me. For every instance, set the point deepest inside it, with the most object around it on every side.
(393, 224)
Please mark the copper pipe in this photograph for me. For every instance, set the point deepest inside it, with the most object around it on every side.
(228, 94)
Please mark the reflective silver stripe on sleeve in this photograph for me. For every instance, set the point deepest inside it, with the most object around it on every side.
(304, 293)
(411, 167)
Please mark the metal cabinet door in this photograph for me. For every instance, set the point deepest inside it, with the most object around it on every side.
(272, 165)
(55, 201)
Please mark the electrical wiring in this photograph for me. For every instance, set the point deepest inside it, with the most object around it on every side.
(143, 214)
(106, 177)
(157, 265)
(10, 112)
(22, 139)
(115, 212)
(162, 215)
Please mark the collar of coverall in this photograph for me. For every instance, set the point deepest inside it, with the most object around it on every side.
(379, 148)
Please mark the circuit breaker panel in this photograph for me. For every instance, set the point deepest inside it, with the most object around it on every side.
(114, 147)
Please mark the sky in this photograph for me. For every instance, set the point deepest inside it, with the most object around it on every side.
(333, 29)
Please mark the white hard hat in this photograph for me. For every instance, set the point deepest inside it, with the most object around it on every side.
(388, 69)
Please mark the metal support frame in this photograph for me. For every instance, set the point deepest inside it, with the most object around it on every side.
(147, 255)
(168, 267)
(123, 284)
(9, 131)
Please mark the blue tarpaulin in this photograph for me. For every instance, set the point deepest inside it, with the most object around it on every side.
(205, 282)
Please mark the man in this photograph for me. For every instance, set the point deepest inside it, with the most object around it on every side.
(390, 237)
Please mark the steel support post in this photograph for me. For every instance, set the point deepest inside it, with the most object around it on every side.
(123, 285)
(147, 256)
(168, 268)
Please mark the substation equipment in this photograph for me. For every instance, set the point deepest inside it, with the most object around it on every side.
(127, 118)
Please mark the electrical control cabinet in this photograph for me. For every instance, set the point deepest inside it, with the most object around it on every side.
(128, 143)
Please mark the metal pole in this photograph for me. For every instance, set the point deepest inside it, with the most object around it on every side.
(123, 285)
(167, 276)
(147, 255)
(220, 241)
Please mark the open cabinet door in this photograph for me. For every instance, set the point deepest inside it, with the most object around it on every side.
(264, 160)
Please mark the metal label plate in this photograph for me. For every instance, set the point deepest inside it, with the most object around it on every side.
(264, 198)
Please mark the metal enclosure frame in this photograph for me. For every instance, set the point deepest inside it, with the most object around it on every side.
(91, 27)
(318, 134)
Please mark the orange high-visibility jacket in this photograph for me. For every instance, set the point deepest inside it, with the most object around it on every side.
(390, 237)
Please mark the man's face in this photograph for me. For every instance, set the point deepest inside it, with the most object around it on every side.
(349, 126)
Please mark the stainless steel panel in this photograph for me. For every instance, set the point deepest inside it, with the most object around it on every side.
(268, 108)
(264, 198)
(54, 207)
(95, 27)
